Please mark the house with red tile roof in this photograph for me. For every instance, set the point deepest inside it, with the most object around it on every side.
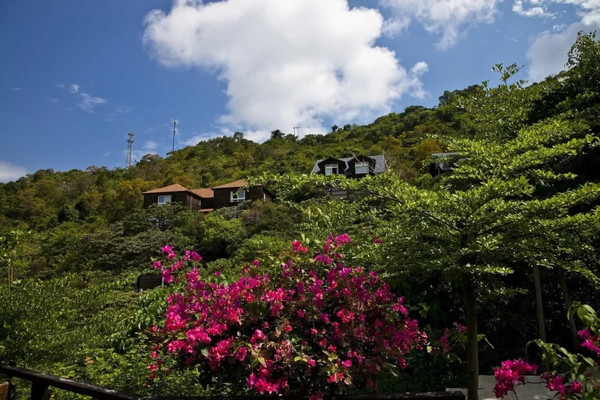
(194, 199)
(207, 199)
(233, 193)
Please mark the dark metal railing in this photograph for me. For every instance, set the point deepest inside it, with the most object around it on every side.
(41, 382)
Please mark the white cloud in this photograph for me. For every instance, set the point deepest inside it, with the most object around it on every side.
(150, 145)
(123, 109)
(201, 137)
(148, 148)
(88, 103)
(538, 9)
(286, 63)
(588, 10)
(74, 88)
(450, 18)
(548, 53)
(11, 172)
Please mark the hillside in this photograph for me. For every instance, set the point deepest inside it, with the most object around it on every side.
(524, 196)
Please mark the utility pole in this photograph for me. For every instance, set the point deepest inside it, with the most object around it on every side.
(129, 147)
(296, 131)
(174, 122)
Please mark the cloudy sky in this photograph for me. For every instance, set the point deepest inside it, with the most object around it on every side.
(77, 76)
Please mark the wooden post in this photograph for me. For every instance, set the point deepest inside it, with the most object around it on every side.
(4, 390)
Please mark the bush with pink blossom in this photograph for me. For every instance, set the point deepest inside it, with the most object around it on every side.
(570, 376)
(316, 327)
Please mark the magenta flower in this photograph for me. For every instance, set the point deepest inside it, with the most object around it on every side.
(575, 387)
(258, 325)
(298, 247)
(509, 374)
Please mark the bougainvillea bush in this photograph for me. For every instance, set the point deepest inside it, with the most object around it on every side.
(317, 327)
(570, 376)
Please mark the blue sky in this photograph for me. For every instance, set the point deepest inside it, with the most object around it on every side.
(76, 76)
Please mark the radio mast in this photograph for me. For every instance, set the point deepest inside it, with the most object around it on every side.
(174, 122)
(129, 147)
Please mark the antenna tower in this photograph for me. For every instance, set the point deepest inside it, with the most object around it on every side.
(174, 122)
(129, 147)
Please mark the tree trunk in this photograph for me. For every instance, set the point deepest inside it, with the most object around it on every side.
(472, 350)
(567, 297)
(538, 303)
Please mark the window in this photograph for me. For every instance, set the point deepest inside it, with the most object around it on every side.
(238, 196)
(361, 168)
(331, 169)
(164, 199)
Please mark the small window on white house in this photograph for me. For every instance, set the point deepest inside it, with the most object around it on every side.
(331, 169)
(164, 199)
(361, 168)
(238, 196)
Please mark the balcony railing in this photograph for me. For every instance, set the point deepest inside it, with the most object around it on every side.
(40, 383)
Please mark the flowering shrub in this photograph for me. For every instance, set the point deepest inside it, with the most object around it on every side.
(571, 375)
(318, 325)
(510, 374)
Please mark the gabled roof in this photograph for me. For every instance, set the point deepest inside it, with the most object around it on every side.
(205, 193)
(167, 189)
(232, 185)
(378, 169)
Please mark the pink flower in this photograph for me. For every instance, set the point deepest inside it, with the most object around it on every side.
(258, 336)
(511, 373)
(298, 248)
(324, 259)
(556, 384)
(196, 257)
(576, 387)
(167, 249)
(335, 377)
(377, 240)
(259, 324)
(460, 328)
(343, 239)
(241, 353)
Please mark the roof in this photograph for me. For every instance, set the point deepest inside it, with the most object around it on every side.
(232, 185)
(167, 189)
(205, 193)
(378, 169)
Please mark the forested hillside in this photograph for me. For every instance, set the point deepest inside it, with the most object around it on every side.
(503, 244)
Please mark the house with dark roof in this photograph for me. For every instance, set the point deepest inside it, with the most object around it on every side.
(352, 167)
(207, 199)
(443, 162)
